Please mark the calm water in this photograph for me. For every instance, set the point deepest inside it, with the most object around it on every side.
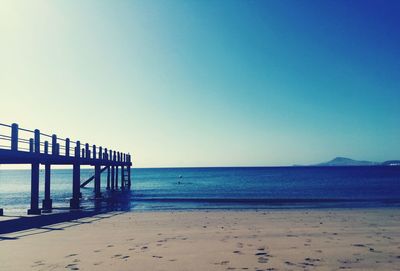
(225, 188)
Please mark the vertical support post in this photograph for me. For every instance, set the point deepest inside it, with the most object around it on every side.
(37, 141)
(14, 137)
(53, 144)
(97, 181)
(67, 144)
(108, 168)
(47, 202)
(30, 144)
(87, 150)
(129, 177)
(100, 153)
(108, 178)
(76, 179)
(129, 171)
(46, 147)
(116, 172)
(34, 210)
(122, 178)
(94, 151)
(112, 178)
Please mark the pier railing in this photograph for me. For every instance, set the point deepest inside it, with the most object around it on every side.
(15, 138)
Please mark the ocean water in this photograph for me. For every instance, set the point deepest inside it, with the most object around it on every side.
(223, 188)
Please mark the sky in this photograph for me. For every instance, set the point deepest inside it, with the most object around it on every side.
(207, 83)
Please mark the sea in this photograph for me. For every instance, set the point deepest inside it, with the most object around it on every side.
(223, 188)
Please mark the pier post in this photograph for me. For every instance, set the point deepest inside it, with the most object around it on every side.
(122, 178)
(67, 144)
(129, 177)
(108, 169)
(87, 151)
(94, 151)
(34, 210)
(129, 171)
(30, 144)
(112, 158)
(97, 181)
(47, 202)
(108, 178)
(112, 177)
(14, 137)
(54, 144)
(76, 179)
(46, 147)
(116, 177)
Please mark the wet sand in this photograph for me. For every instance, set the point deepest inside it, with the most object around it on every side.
(359, 239)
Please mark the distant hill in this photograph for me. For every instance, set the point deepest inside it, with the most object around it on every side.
(343, 161)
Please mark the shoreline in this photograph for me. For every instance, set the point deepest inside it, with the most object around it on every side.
(316, 239)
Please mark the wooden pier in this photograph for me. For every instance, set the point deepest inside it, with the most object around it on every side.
(23, 146)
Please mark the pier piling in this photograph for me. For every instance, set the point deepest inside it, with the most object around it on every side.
(76, 179)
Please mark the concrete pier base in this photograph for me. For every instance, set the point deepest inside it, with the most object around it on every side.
(34, 212)
(47, 204)
(74, 203)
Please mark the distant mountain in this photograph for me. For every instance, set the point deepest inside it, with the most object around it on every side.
(343, 161)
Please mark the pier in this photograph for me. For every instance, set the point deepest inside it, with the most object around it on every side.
(23, 146)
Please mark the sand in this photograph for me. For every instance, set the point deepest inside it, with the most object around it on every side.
(359, 239)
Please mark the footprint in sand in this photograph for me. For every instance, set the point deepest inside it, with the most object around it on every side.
(158, 257)
(261, 254)
(222, 263)
(71, 255)
(72, 266)
(38, 263)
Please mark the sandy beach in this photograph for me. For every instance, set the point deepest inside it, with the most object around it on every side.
(359, 239)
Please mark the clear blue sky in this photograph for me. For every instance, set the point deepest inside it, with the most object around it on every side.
(207, 83)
